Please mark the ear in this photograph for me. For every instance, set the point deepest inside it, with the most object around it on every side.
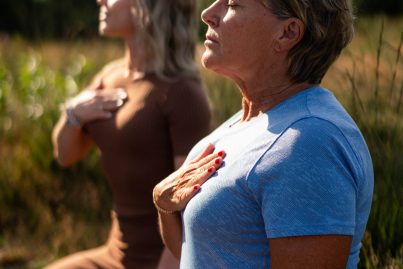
(292, 32)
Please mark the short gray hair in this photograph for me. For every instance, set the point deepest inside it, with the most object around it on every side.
(328, 29)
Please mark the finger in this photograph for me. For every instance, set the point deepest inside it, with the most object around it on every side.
(207, 170)
(110, 100)
(189, 193)
(210, 158)
(204, 176)
(112, 105)
(114, 93)
(121, 93)
(216, 163)
(209, 149)
(102, 114)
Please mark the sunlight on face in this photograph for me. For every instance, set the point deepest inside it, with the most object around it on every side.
(111, 2)
(239, 37)
(115, 18)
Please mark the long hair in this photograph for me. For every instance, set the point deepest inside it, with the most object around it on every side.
(167, 34)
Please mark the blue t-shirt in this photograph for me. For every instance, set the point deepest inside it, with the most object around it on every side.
(302, 168)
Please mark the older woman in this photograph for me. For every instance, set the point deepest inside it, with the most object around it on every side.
(290, 182)
(144, 112)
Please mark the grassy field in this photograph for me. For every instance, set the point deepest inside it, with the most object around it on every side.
(47, 212)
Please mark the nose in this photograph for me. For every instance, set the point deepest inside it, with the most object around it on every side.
(101, 2)
(210, 15)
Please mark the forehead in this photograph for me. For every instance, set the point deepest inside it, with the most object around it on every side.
(260, 2)
(111, 2)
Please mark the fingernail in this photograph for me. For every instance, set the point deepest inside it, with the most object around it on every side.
(210, 170)
(221, 153)
(196, 187)
(217, 161)
(119, 102)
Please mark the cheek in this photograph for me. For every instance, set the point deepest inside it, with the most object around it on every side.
(234, 37)
(249, 39)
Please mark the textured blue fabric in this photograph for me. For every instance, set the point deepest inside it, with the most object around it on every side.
(302, 168)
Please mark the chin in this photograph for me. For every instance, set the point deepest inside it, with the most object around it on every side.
(102, 29)
(106, 33)
(214, 64)
(208, 60)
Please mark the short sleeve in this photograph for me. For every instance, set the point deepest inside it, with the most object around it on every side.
(305, 182)
(188, 115)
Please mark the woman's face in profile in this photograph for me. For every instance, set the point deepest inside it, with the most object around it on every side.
(240, 35)
(115, 18)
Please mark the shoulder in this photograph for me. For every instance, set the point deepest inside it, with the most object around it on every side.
(118, 63)
(185, 90)
(185, 86)
(106, 71)
(315, 137)
(311, 148)
(313, 129)
(310, 170)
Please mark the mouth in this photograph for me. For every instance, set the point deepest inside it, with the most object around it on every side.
(211, 38)
(102, 16)
(103, 13)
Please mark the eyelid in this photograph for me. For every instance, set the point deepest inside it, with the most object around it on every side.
(231, 4)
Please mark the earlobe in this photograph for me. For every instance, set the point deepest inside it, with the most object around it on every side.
(277, 46)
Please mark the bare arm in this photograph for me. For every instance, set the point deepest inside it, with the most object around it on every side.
(313, 252)
(70, 143)
(174, 192)
(171, 232)
(173, 237)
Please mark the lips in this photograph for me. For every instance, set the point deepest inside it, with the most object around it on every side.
(212, 38)
(102, 16)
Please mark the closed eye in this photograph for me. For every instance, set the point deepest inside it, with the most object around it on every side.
(231, 4)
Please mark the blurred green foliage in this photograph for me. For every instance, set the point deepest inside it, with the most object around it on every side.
(41, 204)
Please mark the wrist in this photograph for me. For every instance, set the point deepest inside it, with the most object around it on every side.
(68, 108)
(160, 209)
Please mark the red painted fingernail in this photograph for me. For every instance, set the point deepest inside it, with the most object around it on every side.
(221, 153)
(196, 187)
(210, 170)
(217, 161)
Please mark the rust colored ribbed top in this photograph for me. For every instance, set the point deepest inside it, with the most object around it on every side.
(159, 120)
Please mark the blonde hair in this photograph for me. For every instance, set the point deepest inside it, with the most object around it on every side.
(167, 32)
(328, 29)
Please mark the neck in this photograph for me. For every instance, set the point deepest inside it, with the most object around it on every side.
(136, 66)
(266, 88)
(256, 102)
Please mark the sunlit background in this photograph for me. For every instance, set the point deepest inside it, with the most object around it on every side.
(49, 50)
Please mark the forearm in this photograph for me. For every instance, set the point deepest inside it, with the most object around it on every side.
(172, 194)
(70, 143)
(171, 232)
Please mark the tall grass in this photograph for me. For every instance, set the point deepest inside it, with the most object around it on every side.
(375, 103)
(47, 212)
